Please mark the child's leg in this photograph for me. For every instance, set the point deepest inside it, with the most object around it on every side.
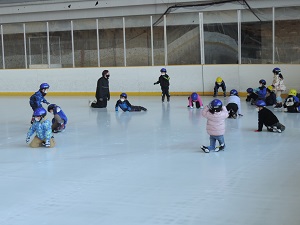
(220, 139)
(216, 90)
(162, 94)
(167, 94)
(57, 122)
(36, 142)
(212, 140)
(224, 89)
(190, 102)
(137, 108)
(197, 104)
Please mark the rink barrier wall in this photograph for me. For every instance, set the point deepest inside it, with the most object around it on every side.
(136, 81)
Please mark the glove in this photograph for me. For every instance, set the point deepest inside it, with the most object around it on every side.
(154, 83)
(47, 144)
(27, 140)
(48, 103)
(108, 98)
(257, 131)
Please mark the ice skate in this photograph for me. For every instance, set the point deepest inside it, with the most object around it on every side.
(205, 149)
(220, 148)
(275, 129)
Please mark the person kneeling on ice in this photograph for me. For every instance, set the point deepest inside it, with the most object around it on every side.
(124, 104)
(59, 120)
(42, 127)
(267, 118)
(292, 103)
(197, 99)
(234, 104)
(270, 96)
(216, 114)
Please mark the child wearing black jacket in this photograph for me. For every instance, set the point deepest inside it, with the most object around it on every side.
(164, 81)
(267, 118)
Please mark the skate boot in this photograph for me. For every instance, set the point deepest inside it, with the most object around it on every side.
(163, 98)
(215, 94)
(168, 99)
(278, 106)
(224, 94)
(220, 148)
(144, 109)
(275, 129)
(59, 129)
(248, 99)
(205, 149)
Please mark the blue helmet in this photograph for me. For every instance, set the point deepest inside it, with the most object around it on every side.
(215, 105)
(124, 95)
(194, 96)
(44, 86)
(249, 90)
(51, 107)
(260, 103)
(276, 70)
(262, 81)
(234, 92)
(163, 70)
(40, 112)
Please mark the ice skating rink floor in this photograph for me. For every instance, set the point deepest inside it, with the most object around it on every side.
(146, 168)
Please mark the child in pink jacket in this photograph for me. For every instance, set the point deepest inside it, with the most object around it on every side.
(195, 98)
(216, 114)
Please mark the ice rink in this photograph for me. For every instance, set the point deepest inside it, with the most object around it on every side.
(147, 168)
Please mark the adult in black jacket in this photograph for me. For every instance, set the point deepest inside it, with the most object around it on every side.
(164, 82)
(102, 91)
(267, 118)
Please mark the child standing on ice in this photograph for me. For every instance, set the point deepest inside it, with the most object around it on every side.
(216, 114)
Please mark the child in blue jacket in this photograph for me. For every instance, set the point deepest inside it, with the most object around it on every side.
(258, 93)
(38, 98)
(60, 119)
(125, 105)
(42, 127)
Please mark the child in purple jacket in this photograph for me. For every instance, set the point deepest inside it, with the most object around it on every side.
(216, 114)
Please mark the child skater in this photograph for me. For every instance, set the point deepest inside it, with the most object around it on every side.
(291, 103)
(279, 86)
(164, 81)
(267, 118)
(258, 93)
(38, 97)
(234, 104)
(197, 99)
(59, 120)
(216, 114)
(270, 96)
(124, 104)
(42, 127)
(219, 83)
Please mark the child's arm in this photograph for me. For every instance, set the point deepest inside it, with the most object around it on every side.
(117, 106)
(205, 111)
(200, 101)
